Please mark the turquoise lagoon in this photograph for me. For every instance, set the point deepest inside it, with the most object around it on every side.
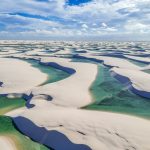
(111, 95)
(53, 74)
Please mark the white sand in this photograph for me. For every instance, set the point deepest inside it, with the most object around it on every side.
(18, 76)
(67, 92)
(101, 130)
(113, 61)
(147, 67)
(140, 80)
(7, 143)
(142, 59)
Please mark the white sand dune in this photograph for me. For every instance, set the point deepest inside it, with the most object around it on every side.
(141, 59)
(138, 79)
(147, 67)
(7, 143)
(99, 130)
(96, 129)
(7, 51)
(112, 61)
(18, 76)
(67, 92)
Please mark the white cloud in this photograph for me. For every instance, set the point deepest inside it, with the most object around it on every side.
(94, 24)
(96, 17)
(104, 24)
(84, 26)
(135, 26)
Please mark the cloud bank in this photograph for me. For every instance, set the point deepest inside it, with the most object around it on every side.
(75, 19)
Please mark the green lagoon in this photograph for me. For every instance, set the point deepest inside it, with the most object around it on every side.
(111, 95)
(53, 74)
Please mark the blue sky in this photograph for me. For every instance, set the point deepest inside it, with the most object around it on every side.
(75, 19)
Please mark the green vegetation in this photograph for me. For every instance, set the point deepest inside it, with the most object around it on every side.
(22, 142)
(8, 104)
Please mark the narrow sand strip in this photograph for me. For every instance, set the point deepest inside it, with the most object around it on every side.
(112, 61)
(140, 59)
(139, 79)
